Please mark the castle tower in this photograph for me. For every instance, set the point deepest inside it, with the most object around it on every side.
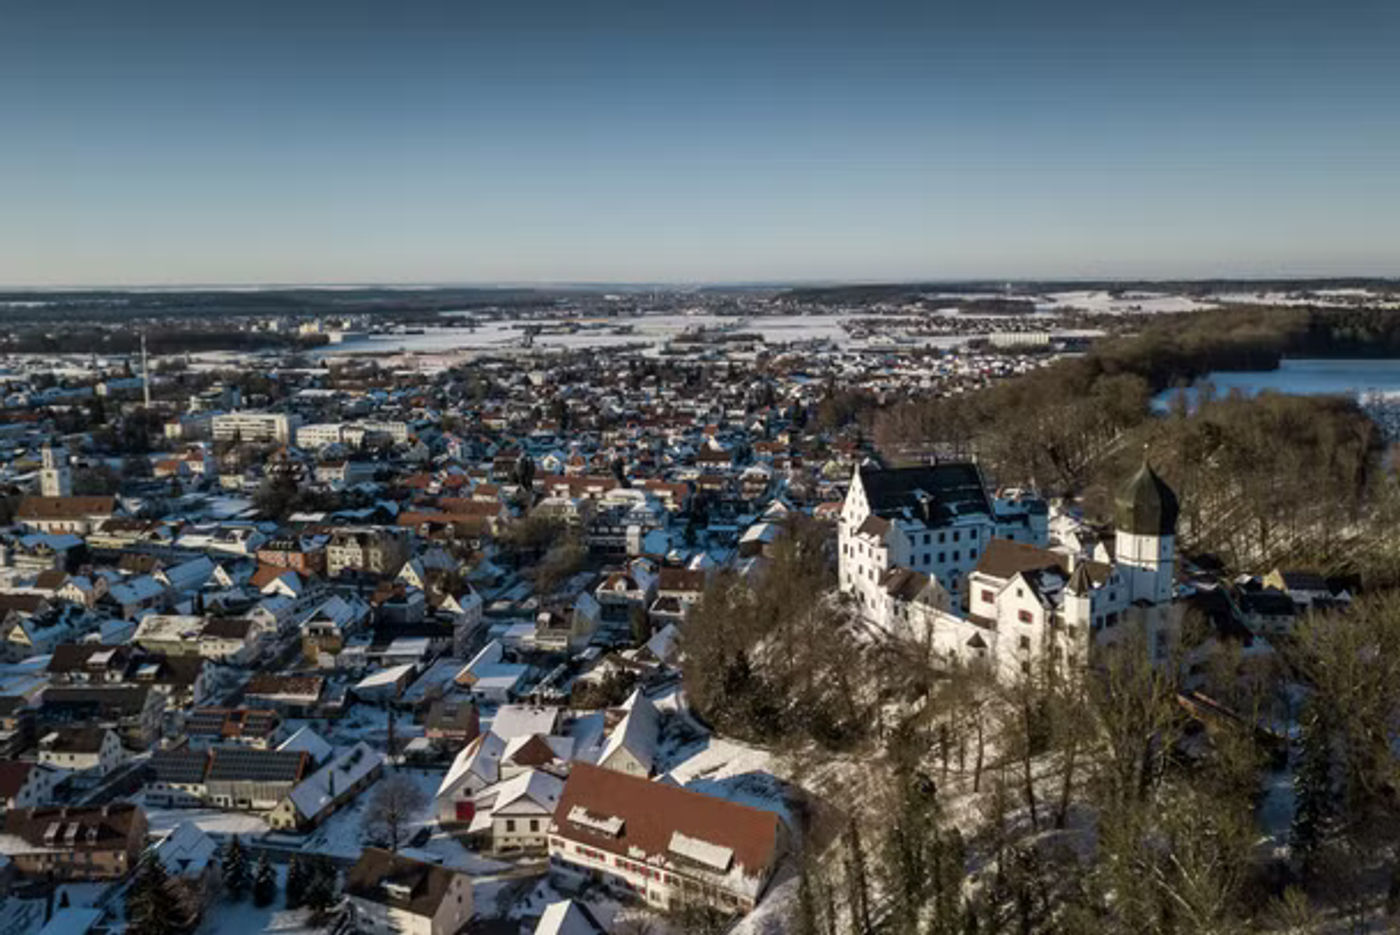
(54, 477)
(1145, 512)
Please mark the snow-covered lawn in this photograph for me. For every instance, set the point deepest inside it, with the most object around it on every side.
(243, 918)
(209, 820)
(343, 834)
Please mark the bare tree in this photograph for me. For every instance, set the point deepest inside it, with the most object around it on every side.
(392, 807)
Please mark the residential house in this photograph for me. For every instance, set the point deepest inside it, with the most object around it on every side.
(133, 711)
(336, 783)
(93, 751)
(26, 785)
(665, 845)
(75, 844)
(390, 893)
(513, 815)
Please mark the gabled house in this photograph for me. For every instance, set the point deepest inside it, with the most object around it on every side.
(26, 785)
(336, 783)
(391, 893)
(661, 843)
(100, 842)
(93, 751)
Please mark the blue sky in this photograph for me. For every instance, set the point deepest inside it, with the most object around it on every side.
(319, 141)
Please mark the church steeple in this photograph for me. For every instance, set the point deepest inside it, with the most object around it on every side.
(1145, 513)
(1145, 505)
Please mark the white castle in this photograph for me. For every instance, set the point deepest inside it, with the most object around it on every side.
(927, 555)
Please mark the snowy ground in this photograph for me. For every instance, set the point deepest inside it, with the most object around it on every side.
(366, 722)
(343, 834)
(243, 918)
(209, 820)
(1126, 303)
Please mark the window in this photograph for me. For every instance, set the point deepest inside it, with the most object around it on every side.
(926, 538)
(988, 597)
(1026, 643)
(534, 824)
(510, 824)
(942, 557)
(956, 555)
(1024, 616)
(956, 536)
(941, 537)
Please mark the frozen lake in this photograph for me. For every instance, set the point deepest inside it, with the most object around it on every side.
(1306, 377)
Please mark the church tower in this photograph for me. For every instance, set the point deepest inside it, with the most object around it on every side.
(1145, 512)
(54, 478)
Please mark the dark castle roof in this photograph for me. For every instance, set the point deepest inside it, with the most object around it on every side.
(1145, 505)
(946, 491)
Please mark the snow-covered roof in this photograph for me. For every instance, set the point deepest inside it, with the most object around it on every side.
(662, 644)
(532, 786)
(567, 917)
(321, 788)
(309, 742)
(636, 732)
(715, 856)
(480, 758)
(186, 851)
(518, 720)
(383, 678)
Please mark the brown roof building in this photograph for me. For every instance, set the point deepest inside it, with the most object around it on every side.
(96, 843)
(391, 893)
(664, 844)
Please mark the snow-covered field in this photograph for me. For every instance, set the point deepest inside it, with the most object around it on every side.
(1123, 303)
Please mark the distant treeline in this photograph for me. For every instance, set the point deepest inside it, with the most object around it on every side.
(117, 304)
(912, 291)
(167, 340)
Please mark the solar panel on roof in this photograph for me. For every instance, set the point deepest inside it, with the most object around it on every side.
(242, 763)
(179, 766)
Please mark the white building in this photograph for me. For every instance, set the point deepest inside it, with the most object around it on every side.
(935, 519)
(55, 479)
(255, 427)
(320, 435)
(1022, 605)
(663, 844)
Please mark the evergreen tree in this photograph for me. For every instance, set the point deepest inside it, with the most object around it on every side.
(322, 889)
(264, 882)
(297, 881)
(234, 865)
(1314, 792)
(151, 906)
(641, 626)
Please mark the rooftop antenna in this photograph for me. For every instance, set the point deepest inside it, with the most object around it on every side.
(145, 372)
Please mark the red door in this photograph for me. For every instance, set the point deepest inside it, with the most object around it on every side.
(465, 811)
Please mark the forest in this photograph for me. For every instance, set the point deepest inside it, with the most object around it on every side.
(1265, 479)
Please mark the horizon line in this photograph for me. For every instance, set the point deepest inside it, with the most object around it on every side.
(429, 285)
